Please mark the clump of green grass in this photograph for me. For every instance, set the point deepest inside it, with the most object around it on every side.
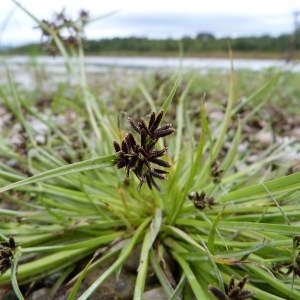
(64, 201)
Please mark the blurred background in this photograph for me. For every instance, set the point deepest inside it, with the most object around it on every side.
(255, 26)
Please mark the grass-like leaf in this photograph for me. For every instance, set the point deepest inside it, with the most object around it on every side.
(14, 271)
(79, 281)
(90, 164)
(279, 185)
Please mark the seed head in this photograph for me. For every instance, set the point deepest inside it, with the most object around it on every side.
(140, 157)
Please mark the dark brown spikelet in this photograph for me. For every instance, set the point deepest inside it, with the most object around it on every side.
(134, 125)
(6, 254)
(5, 264)
(217, 293)
(156, 174)
(234, 292)
(163, 131)
(117, 146)
(242, 282)
(245, 294)
(152, 119)
(12, 243)
(142, 125)
(154, 183)
(216, 172)
(160, 171)
(121, 164)
(130, 141)
(157, 153)
(160, 162)
(150, 181)
(143, 139)
(156, 121)
(124, 146)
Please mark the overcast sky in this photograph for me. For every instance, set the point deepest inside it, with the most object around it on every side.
(154, 18)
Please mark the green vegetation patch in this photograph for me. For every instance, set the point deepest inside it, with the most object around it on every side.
(185, 182)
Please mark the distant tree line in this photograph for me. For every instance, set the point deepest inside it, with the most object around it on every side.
(202, 43)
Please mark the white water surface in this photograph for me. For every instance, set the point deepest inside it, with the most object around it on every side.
(94, 63)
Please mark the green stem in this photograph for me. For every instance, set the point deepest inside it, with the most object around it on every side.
(14, 282)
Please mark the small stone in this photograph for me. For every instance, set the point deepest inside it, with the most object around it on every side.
(132, 262)
(155, 294)
(124, 286)
(40, 139)
(264, 138)
(40, 294)
(7, 294)
(119, 286)
(216, 116)
(295, 132)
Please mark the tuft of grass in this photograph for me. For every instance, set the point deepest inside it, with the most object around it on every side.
(70, 210)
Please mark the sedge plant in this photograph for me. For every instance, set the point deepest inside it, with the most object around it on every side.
(90, 195)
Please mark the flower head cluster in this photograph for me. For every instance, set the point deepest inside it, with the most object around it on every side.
(216, 172)
(69, 31)
(6, 254)
(292, 268)
(235, 291)
(201, 201)
(140, 157)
